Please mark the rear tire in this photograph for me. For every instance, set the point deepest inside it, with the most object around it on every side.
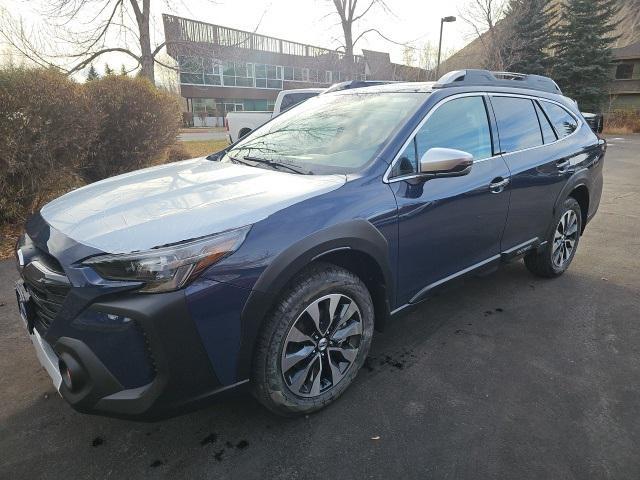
(307, 356)
(554, 258)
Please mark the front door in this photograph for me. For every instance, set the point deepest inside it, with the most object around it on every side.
(449, 225)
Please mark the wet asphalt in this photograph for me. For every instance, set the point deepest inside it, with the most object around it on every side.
(505, 376)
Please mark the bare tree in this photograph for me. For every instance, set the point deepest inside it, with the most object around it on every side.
(349, 14)
(485, 17)
(408, 55)
(86, 30)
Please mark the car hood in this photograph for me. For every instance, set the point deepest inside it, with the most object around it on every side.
(176, 202)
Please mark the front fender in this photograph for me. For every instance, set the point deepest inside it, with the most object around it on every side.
(358, 235)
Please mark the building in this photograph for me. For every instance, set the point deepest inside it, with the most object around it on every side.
(624, 88)
(222, 69)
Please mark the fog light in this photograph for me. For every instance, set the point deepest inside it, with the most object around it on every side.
(72, 373)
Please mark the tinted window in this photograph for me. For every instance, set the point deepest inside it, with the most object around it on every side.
(292, 99)
(461, 124)
(548, 134)
(517, 123)
(563, 122)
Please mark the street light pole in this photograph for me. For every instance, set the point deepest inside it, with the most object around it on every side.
(442, 21)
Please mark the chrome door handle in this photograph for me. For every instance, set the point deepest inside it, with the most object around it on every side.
(498, 184)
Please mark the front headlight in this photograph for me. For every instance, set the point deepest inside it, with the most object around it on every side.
(169, 268)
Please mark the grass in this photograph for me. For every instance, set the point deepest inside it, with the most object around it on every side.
(203, 148)
(617, 130)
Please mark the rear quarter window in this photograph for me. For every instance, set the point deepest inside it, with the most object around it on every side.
(548, 133)
(518, 125)
(563, 122)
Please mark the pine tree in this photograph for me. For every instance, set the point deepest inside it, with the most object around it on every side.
(583, 51)
(108, 70)
(92, 74)
(123, 70)
(528, 36)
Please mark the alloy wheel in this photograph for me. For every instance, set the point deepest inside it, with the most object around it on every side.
(322, 345)
(565, 238)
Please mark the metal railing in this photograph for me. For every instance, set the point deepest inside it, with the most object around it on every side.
(178, 29)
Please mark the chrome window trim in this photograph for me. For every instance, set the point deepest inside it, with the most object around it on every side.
(386, 178)
(533, 97)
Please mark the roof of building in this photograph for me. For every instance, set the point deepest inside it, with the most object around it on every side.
(626, 53)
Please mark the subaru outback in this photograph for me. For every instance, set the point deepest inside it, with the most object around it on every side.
(269, 265)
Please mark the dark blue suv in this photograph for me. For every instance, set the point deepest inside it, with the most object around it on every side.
(269, 265)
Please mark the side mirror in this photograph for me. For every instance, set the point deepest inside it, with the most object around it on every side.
(445, 162)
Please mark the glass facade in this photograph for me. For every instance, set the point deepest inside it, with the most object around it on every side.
(218, 107)
(196, 70)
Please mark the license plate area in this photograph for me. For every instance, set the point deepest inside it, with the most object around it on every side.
(26, 306)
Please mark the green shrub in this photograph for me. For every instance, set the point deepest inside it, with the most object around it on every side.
(46, 127)
(137, 123)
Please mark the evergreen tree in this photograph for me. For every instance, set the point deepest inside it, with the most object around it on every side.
(583, 51)
(123, 70)
(528, 36)
(108, 70)
(92, 74)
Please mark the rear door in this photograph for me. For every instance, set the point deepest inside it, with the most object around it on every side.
(539, 169)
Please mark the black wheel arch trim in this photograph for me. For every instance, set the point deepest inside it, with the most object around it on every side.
(580, 178)
(356, 235)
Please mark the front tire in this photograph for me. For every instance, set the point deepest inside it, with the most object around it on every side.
(314, 342)
(555, 257)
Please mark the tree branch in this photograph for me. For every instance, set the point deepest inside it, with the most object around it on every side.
(95, 55)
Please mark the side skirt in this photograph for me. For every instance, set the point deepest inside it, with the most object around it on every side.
(481, 268)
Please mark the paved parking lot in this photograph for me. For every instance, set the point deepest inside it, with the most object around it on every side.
(506, 376)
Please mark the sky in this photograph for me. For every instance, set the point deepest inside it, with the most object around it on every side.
(305, 21)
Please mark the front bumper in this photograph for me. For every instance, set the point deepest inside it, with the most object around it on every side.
(140, 356)
(47, 357)
(180, 372)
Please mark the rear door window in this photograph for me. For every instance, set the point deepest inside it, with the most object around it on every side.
(563, 122)
(548, 135)
(518, 125)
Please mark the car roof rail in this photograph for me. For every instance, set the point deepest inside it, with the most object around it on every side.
(349, 84)
(486, 78)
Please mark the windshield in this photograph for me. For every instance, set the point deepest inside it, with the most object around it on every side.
(328, 134)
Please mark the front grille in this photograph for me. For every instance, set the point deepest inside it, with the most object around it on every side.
(47, 289)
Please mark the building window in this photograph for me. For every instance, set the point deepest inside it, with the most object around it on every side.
(288, 73)
(212, 70)
(205, 106)
(191, 70)
(624, 71)
(327, 77)
(268, 76)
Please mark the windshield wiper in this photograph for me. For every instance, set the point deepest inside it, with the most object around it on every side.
(273, 163)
